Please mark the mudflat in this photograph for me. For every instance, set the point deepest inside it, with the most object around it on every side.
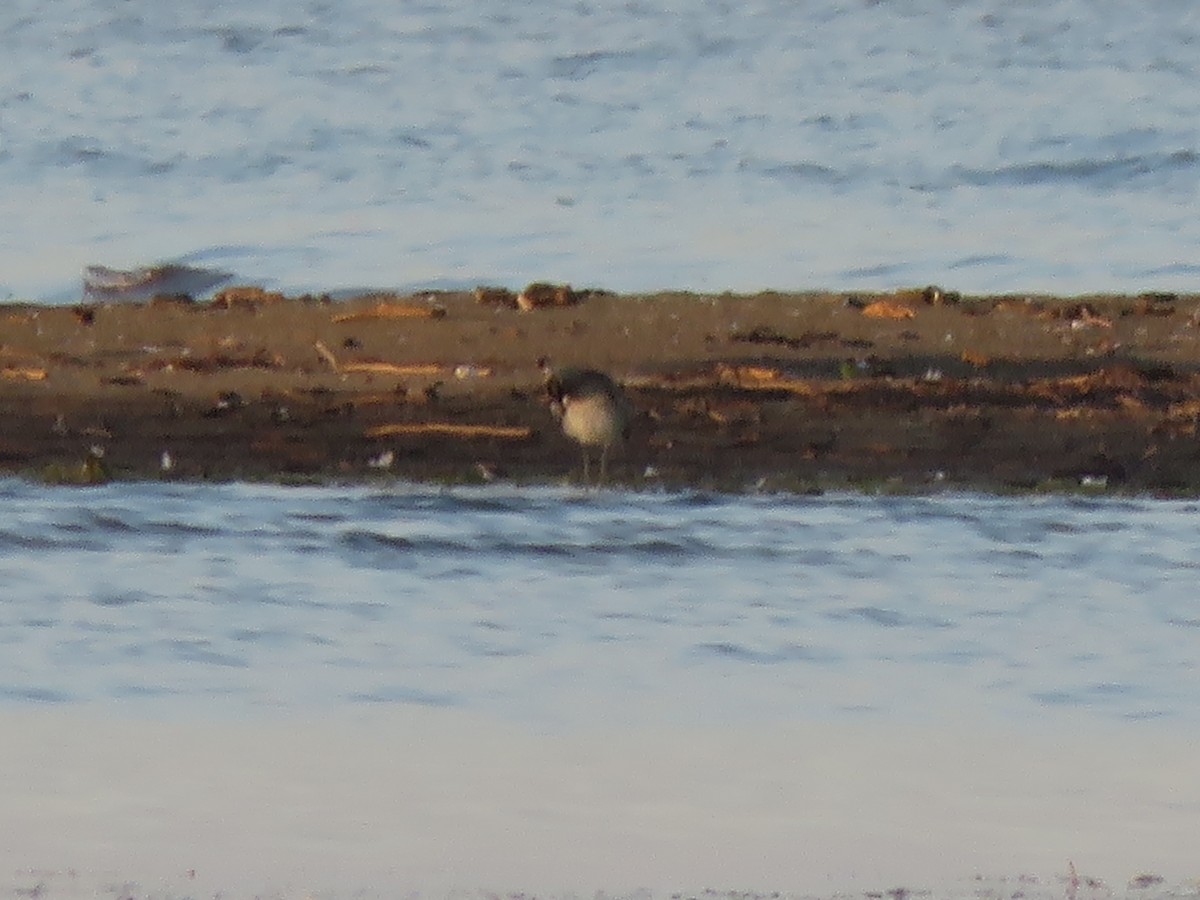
(910, 390)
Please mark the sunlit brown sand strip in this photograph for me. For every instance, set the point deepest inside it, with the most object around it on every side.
(909, 390)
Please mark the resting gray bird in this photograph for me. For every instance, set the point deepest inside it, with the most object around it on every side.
(592, 408)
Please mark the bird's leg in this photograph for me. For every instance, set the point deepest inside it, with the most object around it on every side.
(585, 466)
(603, 464)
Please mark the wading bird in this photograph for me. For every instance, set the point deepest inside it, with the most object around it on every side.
(592, 408)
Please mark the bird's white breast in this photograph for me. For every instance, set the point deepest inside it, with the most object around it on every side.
(592, 420)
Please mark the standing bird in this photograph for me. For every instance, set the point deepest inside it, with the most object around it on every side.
(592, 408)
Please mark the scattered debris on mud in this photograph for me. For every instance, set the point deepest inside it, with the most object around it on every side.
(908, 391)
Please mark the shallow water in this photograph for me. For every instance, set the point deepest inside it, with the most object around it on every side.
(552, 608)
(635, 146)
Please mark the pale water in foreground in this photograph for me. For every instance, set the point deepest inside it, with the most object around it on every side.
(252, 689)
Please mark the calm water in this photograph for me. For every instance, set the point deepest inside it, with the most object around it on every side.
(560, 609)
(979, 144)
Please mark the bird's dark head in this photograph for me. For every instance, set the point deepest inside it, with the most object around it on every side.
(553, 384)
(554, 389)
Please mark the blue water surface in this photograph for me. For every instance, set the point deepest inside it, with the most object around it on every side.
(982, 145)
(564, 609)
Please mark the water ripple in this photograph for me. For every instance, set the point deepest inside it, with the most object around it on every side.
(1098, 173)
(784, 654)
